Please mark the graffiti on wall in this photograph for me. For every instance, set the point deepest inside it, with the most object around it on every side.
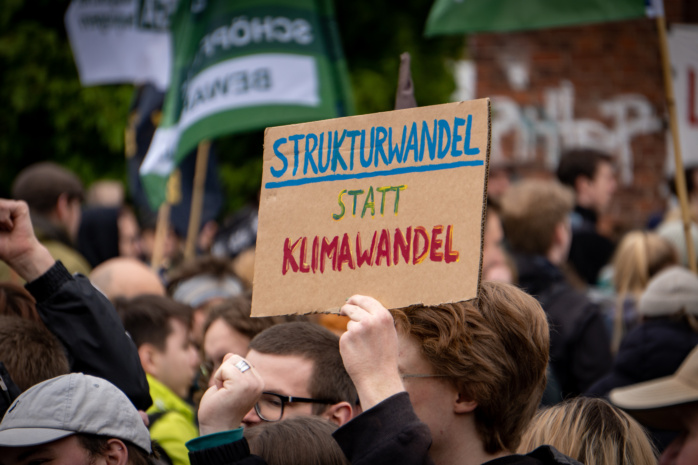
(551, 127)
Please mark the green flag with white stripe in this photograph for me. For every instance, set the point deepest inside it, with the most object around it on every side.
(245, 65)
(469, 16)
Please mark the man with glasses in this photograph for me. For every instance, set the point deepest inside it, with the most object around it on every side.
(303, 375)
(452, 384)
(292, 370)
(449, 384)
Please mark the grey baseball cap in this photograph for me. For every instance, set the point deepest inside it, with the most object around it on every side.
(70, 404)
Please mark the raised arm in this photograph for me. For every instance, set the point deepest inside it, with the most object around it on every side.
(388, 431)
(80, 316)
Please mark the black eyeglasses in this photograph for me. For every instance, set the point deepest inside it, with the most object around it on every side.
(270, 406)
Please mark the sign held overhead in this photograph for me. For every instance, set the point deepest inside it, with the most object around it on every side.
(389, 205)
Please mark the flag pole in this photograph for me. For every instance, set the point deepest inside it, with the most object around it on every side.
(680, 177)
(197, 199)
(161, 230)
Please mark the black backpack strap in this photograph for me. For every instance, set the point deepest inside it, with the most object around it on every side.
(163, 458)
(155, 416)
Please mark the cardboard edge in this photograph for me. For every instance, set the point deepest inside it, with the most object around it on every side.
(329, 311)
(422, 304)
(484, 193)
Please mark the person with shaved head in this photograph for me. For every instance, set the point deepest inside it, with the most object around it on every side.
(126, 277)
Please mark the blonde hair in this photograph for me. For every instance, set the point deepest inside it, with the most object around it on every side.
(530, 211)
(639, 256)
(591, 431)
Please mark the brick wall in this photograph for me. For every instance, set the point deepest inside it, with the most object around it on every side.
(598, 85)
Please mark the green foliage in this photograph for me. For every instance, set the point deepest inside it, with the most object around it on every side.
(374, 34)
(240, 170)
(48, 115)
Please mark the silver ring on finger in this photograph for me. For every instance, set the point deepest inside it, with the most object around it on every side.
(242, 365)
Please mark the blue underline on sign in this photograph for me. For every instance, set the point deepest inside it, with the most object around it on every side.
(373, 174)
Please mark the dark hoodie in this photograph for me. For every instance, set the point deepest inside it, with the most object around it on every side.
(579, 344)
(98, 236)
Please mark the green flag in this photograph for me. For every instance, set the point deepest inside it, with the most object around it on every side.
(468, 16)
(245, 65)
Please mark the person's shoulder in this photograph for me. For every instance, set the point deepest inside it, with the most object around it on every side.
(570, 303)
(548, 455)
(73, 261)
(172, 425)
(544, 455)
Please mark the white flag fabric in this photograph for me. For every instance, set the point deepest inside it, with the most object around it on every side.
(683, 49)
(122, 41)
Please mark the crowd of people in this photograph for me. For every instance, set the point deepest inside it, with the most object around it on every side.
(580, 348)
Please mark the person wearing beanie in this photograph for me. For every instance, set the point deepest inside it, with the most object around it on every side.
(673, 291)
(667, 334)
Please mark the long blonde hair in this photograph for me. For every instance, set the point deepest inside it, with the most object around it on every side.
(639, 256)
(591, 431)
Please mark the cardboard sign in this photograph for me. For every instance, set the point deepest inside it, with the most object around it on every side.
(389, 205)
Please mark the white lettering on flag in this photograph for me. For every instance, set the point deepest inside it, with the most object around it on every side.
(264, 79)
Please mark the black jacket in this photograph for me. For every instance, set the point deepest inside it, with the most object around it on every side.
(87, 325)
(652, 350)
(387, 434)
(589, 251)
(390, 433)
(579, 344)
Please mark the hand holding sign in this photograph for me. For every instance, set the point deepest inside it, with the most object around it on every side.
(376, 204)
(369, 350)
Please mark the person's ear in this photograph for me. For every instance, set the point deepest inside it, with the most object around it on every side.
(62, 207)
(581, 184)
(116, 453)
(339, 413)
(559, 234)
(150, 357)
(464, 404)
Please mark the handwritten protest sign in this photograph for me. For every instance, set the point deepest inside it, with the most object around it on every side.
(389, 205)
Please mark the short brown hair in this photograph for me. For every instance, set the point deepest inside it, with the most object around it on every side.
(41, 184)
(97, 446)
(147, 318)
(580, 162)
(235, 311)
(296, 440)
(531, 210)
(495, 351)
(30, 352)
(591, 431)
(330, 379)
(16, 301)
